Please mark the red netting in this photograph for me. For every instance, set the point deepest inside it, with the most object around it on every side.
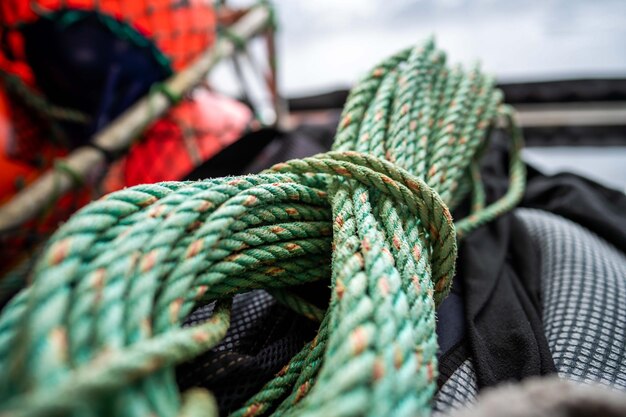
(23, 155)
(191, 133)
(182, 29)
(21, 162)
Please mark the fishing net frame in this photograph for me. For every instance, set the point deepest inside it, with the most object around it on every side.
(82, 168)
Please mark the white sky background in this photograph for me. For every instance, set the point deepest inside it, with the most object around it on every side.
(328, 44)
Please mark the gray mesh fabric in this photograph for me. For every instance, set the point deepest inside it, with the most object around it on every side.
(459, 390)
(583, 289)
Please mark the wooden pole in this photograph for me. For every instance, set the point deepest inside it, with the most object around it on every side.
(119, 135)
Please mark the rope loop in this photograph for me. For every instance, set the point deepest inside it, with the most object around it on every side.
(406, 189)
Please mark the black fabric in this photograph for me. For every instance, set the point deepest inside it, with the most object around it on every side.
(452, 312)
(585, 202)
(499, 282)
(259, 150)
(499, 270)
(597, 208)
(451, 361)
(234, 159)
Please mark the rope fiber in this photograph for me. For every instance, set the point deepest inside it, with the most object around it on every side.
(98, 332)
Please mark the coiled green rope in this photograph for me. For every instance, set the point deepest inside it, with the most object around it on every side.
(99, 330)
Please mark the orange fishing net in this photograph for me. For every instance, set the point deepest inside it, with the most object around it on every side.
(181, 29)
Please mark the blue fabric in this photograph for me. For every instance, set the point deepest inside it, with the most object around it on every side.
(85, 66)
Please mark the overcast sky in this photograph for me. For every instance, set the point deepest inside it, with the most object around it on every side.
(326, 44)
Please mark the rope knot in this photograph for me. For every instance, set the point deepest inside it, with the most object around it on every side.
(402, 187)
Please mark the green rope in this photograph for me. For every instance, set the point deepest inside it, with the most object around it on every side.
(99, 330)
(61, 166)
(238, 41)
(297, 304)
(163, 88)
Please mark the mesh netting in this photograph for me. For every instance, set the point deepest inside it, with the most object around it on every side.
(262, 338)
(27, 131)
(181, 29)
